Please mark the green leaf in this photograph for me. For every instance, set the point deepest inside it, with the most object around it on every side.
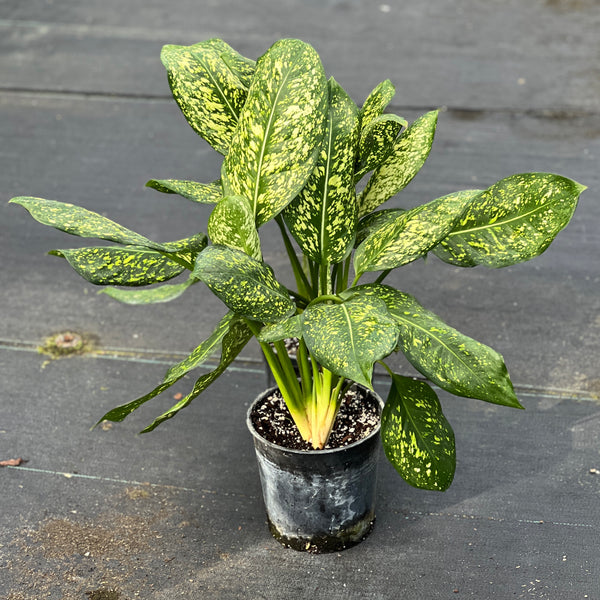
(347, 338)
(154, 295)
(205, 193)
(322, 218)
(231, 328)
(400, 237)
(376, 102)
(448, 358)
(80, 221)
(280, 130)
(377, 142)
(243, 68)
(231, 223)
(246, 285)
(110, 265)
(234, 341)
(513, 221)
(207, 91)
(375, 221)
(405, 160)
(417, 438)
(285, 329)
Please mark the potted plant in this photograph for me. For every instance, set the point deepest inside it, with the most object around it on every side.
(296, 148)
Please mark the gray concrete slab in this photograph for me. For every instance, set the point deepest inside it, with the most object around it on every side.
(85, 117)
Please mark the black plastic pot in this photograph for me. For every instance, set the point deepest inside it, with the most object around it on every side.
(318, 500)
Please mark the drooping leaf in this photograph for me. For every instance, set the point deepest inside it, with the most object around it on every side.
(234, 341)
(448, 358)
(322, 218)
(417, 438)
(280, 131)
(154, 295)
(231, 224)
(403, 236)
(207, 91)
(404, 161)
(205, 193)
(376, 102)
(246, 285)
(513, 221)
(111, 265)
(229, 323)
(347, 338)
(285, 329)
(377, 142)
(80, 221)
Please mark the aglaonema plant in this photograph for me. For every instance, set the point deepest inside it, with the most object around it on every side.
(296, 148)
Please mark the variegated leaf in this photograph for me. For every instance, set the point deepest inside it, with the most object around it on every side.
(285, 329)
(417, 438)
(455, 362)
(88, 224)
(374, 221)
(347, 338)
(207, 91)
(375, 104)
(280, 130)
(513, 221)
(235, 339)
(229, 323)
(322, 218)
(231, 223)
(111, 265)
(410, 234)
(80, 221)
(377, 142)
(405, 160)
(246, 285)
(205, 193)
(243, 68)
(153, 295)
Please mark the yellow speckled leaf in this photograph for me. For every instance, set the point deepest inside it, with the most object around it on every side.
(231, 333)
(405, 160)
(209, 93)
(153, 295)
(417, 438)
(280, 129)
(205, 193)
(322, 218)
(377, 142)
(231, 223)
(513, 221)
(376, 102)
(246, 285)
(399, 237)
(111, 265)
(349, 337)
(455, 362)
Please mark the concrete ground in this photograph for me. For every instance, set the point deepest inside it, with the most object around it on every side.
(86, 117)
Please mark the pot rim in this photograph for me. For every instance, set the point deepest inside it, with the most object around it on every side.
(272, 445)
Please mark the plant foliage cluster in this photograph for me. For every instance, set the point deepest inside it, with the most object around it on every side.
(295, 148)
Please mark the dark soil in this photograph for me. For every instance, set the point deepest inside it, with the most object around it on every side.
(357, 417)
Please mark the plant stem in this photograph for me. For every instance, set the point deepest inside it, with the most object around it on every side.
(301, 280)
(383, 275)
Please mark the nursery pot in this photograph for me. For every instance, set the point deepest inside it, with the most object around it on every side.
(318, 500)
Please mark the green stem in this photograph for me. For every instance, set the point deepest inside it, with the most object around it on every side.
(301, 280)
(383, 275)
